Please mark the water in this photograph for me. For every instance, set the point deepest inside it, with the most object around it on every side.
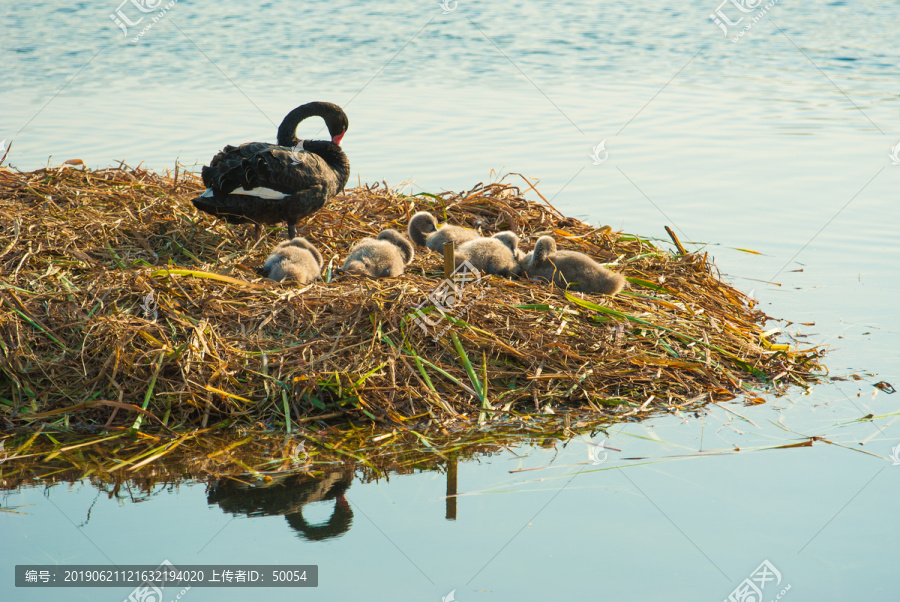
(778, 142)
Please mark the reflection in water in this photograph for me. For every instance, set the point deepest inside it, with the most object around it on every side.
(452, 465)
(287, 497)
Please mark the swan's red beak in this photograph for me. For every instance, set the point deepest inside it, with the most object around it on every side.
(337, 139)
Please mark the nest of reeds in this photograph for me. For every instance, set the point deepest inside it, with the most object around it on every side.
(121, 305)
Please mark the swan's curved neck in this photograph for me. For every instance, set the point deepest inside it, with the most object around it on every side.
(287, 131)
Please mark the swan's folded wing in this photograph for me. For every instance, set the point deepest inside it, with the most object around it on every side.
(293, 171)
(236, 167)
(261, 165)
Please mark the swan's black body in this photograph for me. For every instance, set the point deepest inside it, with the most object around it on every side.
(304, 177)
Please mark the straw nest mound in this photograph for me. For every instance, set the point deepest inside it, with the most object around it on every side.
(122, 306)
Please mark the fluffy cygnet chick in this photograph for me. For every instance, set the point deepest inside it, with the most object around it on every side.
(295, 260)
(569, 269)
(387, 255)
(424, 232)
(494, 255)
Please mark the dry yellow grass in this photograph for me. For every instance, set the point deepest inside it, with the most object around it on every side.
(81, 250)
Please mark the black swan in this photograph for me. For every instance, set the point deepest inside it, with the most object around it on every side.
(270, 183)
(387, 255)
(424, 232)
(494, 255)
(569, 269)
(295, 260)
(288, 496)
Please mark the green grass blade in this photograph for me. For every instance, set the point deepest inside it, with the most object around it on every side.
(156, 368)
(468, 366)
(648, 284)
(421, 368)
(619, 314)
(363, 378)
(287, 411)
